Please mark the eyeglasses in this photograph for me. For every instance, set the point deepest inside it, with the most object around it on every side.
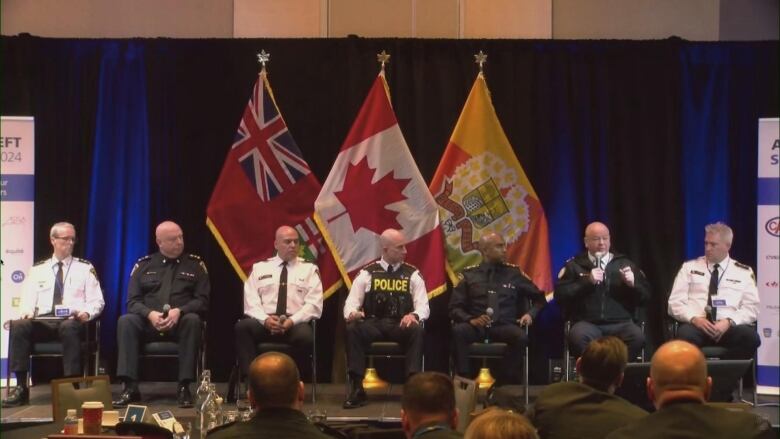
(67, 238)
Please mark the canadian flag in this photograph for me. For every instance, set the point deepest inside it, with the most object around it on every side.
(375, 185)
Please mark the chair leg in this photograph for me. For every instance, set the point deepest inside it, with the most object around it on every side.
(314, 370)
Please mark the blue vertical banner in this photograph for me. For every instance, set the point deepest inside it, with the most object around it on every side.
(768, 255)
(17, 205)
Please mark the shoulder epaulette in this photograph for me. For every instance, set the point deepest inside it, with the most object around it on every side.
(410, 265)
(569, 260)
(743, 266)
(365, 267)
(470, 267)
(192, 256)
(83, 261)
(144, 258)
(40, 262)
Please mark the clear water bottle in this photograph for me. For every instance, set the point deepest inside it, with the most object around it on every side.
(71, 424)
(208, 412)
(203, 389)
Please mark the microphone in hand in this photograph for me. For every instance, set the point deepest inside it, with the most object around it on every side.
(599, 263)
(166, 308)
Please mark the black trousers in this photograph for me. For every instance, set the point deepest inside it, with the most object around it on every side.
(250, 333)
(361, 333)
(464, 334)
(583, 332)
(132, 330)
(741, 341)
(25, 332)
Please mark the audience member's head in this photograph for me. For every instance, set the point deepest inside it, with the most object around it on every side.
(602, 363)
(274, 382)
(429, 398)
(500, 424)
(678, 371)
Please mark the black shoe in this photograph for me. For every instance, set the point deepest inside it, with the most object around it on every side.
(130, 394)
(17, 396)
(184, 396)
(357, 398)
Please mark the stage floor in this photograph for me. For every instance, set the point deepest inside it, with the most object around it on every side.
(384, 406)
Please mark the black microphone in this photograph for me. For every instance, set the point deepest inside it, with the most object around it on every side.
(166, 308)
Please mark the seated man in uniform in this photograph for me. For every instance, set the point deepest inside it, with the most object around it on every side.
(61, 282)
(387, 301)
(491, 303)
(715, 298)
(600, 290)
(167, 299)
(281, 295)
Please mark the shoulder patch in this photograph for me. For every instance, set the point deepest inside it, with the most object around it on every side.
(40, 262)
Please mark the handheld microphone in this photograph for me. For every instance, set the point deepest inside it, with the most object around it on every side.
(489, 313)
(166, 308)
(599, 256)
(708, 310)
(282, 318)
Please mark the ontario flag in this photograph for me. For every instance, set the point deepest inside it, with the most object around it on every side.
(375, 185)
(265, 183)
(480, 187)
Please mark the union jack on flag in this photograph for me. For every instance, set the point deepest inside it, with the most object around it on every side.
(265, 148)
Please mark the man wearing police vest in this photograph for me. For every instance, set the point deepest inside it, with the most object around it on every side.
(387, 301)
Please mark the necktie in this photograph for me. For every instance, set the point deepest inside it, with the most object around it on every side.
(167, 281)
(281, 303)
(58, 284)
(390, 269)
(713, 291)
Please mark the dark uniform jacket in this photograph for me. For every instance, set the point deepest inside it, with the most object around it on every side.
(275, 423)
(435, 431)
(576, 410)
(470, 298)
(611, 301)
(692, 419)
(189, 289)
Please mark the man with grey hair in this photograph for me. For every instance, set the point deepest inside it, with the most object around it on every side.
(715, 298)
(387, 301)
(64, 290)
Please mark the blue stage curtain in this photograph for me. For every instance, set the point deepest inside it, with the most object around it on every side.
(118, 224)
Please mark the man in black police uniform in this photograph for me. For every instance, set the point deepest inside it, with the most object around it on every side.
(491, 302)
(168, 280)
(600, 291)
(387, 301)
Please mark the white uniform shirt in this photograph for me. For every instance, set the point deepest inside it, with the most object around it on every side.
(737, 290)
(304, 290)
(362, 284)
(81, 289)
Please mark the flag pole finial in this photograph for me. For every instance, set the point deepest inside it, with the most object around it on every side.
(263, 57)
(480, 58)
(383, 58)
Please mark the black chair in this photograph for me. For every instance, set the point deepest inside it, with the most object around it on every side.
(718, 352)
(90, 349)
(495, 350)
(170, 349)
(273, 346)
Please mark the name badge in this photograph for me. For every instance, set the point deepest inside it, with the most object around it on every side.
(61, 311)
(718, 302)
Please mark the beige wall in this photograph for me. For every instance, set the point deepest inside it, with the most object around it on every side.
(706, 20)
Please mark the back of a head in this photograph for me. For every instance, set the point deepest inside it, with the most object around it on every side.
(602, 362)
(274, 380)
(428, 393)
(500, 424)
(678, 368)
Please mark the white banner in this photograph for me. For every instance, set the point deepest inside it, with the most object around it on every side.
(768, 255)
(17, 202)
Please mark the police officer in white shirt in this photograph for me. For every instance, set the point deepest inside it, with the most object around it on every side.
(59, 286)
(715, 298)
(387, 301)
(281, 295)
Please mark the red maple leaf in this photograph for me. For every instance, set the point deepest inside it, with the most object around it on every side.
(367, 202)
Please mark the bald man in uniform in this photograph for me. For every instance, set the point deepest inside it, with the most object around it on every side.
(679, 388)
(387, 301)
